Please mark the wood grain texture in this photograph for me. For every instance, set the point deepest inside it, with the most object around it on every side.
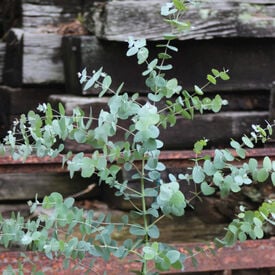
(32, 58)
(42, 63)
(117, 20)
(43, 15)
(29, 98)
(249, 60)
(218, 128)
(2, 56)
(25, 186)
(12, 72)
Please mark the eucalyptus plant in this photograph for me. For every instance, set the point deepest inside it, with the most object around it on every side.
(44, 131)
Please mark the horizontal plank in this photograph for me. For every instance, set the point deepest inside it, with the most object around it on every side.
(12, 72)
(117, 20)
(10, 16)
(32, 58)
(218, 128)
(6, 209)
(32, 164)
(27, 185)
(246, 256)
(42, 51)
(2, 56)
(41, 16)
(246, 60)
(30, 97)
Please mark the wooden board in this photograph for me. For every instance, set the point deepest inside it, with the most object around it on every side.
(42, 63)
(18, 186)
(32, 58)
(11, 108)
(249, 61)
(45, 14)
(10, 15)
(12, 72)
(117, 20)
(2, 56)
(218, 128)
(29, 98)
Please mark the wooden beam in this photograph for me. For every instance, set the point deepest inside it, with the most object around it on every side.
(13, 62)
(246, 60)
(30, 97)
(24, 186)
(32, 58)
(218, 128)
(2, 56)
(45, 15)
(117, 20)
(42, 62)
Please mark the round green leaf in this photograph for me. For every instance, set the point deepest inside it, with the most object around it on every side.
(234, 144)
(262, 175)
(273, 178)
(241, 152)
(137, 230)
(211, 79)
(198, 90)
(153, 232)
(206, 189)
(267, 164)
(224, 76)
(149, 253)
(242, 236)
(173, 256)
(198, 174)
(258, 232)
(247, 142)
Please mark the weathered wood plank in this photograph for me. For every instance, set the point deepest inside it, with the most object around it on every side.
(26, 186)
(271, 117)
(42, 61)
(11, 108)
(2, 56)
(10, 15)
(12, 73)
(32, 58)
(272, 103)
(29, 98)
(246, 60)
(117, 20)
(42, 15)
(218, 128)
(7, 209)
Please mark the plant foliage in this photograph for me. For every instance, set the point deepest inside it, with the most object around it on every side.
(43, 133)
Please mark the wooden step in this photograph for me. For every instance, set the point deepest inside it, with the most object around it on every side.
(249, 62)
(117, 20)
(47, 15)
(218, 128)
(32, 58)
(2, 56)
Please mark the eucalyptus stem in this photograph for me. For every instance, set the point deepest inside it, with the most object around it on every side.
(145, 223)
